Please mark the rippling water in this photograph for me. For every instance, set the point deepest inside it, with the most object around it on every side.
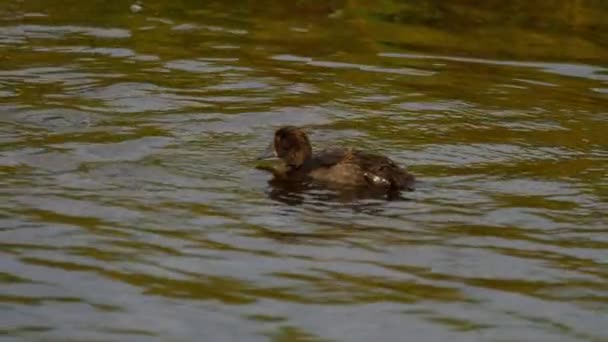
(132, 210)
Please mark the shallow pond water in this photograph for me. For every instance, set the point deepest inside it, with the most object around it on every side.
(131, 208)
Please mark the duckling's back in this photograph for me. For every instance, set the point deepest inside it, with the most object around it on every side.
(347, 166)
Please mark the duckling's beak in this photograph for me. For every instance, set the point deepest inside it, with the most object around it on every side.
(268, 153)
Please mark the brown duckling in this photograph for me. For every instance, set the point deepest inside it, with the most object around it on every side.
(344, 167)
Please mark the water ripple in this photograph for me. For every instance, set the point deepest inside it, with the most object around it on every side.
(132, 208)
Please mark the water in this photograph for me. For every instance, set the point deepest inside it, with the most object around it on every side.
(131, 208)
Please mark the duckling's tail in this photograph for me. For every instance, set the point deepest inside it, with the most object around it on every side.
(403, 181)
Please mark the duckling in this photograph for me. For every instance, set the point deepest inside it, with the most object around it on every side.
(342, 167)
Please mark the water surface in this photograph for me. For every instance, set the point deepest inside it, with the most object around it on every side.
(131, 208)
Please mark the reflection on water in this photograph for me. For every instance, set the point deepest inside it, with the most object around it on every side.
(292, 193)
(132, 208)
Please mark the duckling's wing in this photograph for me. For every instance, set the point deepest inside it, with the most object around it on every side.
(382, 171)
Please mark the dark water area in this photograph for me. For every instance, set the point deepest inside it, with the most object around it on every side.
(131, 208)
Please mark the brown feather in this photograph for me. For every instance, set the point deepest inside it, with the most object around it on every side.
(337, 166)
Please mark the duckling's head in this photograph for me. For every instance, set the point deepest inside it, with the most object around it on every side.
(291, 145)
